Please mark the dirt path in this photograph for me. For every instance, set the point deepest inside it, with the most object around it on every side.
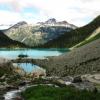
(95, 78)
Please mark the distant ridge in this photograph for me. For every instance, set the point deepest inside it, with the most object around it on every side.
(69, 39)
(22, 23)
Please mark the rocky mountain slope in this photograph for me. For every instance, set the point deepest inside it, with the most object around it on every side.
(33, 35)
(5, 41)
(74, 37)
(82, 60)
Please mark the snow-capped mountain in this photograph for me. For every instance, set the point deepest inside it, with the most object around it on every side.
(40, 33)
(54, 22)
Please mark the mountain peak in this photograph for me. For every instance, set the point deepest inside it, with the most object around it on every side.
(21, 23)
(63, 22)
(51, 21)
(54, 22)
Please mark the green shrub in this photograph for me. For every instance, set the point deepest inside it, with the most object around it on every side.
(56, 93)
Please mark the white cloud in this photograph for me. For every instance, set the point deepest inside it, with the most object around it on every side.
(9, 17)
(74, 11)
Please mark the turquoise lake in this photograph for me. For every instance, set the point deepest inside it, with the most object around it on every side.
(33, 53)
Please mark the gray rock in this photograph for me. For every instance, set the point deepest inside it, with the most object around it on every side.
(77, 79)
(85, 86)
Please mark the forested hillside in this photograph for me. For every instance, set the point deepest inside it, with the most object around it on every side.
(7, 42)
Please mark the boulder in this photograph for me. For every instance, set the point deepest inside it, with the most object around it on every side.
(77, 79)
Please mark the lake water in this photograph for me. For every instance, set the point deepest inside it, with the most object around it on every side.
(33, 53)
(28, 67)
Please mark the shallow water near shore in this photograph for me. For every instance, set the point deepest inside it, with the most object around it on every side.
(29, 67)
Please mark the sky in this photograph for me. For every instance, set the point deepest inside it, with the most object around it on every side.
(77, 12)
